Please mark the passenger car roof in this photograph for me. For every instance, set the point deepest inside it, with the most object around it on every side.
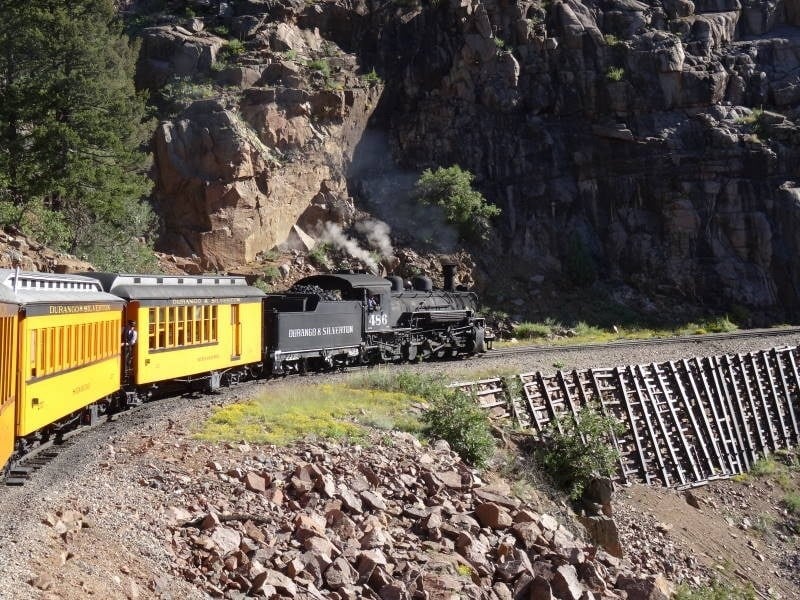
(28, 287)
(160, 287)
(336, 281)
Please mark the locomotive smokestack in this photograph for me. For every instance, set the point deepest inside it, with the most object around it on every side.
(449, 274)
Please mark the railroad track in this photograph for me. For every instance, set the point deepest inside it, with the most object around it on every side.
(687, 421)
(36, 458)
(540, 398)
(540, 349)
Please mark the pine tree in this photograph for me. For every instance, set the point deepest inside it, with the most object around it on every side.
(72, 172)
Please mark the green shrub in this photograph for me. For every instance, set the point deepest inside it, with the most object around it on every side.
(755, 122)
(579, 451)
(721, 325)
(271, 272)
(456, 418)
(290, 55)
(232, 49)
(615, 73)
(220, 30)
(500, 43)
(319, 255)
(371, 78)
(320, 65)
(180, 92)
(792, 503)
(583, 329)
(528, 331)
(611, 39)
(464, 207)
(765, 467)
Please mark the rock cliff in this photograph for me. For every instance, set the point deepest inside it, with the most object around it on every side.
(653, 143)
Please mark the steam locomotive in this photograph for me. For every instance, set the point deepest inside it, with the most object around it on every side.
(63, 360)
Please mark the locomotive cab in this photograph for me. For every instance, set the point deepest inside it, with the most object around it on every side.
(372, 292)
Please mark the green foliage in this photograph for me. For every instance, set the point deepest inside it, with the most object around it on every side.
(466, 208)
(319, 255)
(584, 330)
(71, 129)
(755, 116)
(320, 411)
(500, 43)
(413, 384)
(611, 40)
(574, 452)
(271, 272)
(220, 30)
(232, 49)
(264, 285)
(451, 415)
(721, 325)
(455, 417)
(371, 78)
(290, 54)
(320, 65)
(528, 331)
(716, 591)
(180, 92)
(792, 503)
(615, 73)
(764, 467)
(218, 66)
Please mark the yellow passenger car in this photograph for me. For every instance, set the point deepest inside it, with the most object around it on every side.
(9, 310)
(189, 326)
(68, 340)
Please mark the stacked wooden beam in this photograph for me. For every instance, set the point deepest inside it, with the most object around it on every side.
(687, 421)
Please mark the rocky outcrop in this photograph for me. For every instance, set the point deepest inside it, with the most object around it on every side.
(18, 250)
(236, 172)
(617, 128)
(628, 134)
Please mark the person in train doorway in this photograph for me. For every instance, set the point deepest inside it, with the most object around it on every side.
(372, 304)
(129, 338)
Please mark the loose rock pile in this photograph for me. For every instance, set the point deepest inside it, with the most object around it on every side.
(391, 520)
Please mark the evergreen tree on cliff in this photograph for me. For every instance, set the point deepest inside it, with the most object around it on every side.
(72, 173)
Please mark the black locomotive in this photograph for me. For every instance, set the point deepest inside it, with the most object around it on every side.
(364, 319)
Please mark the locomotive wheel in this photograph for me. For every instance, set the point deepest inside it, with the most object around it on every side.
(410, 352)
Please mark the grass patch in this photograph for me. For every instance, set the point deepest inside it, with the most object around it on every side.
(532, 331)
(764, 467)
(792, 503)
(284, 415)
(615, 74)
(558, 334)
(716, 591)
(345, 411)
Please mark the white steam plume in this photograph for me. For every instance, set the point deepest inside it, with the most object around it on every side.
(377, 234)
(334, 235)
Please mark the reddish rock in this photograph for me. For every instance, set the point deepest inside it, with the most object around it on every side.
(493, 516)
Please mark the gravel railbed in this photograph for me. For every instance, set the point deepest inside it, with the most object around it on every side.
(84, 475)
